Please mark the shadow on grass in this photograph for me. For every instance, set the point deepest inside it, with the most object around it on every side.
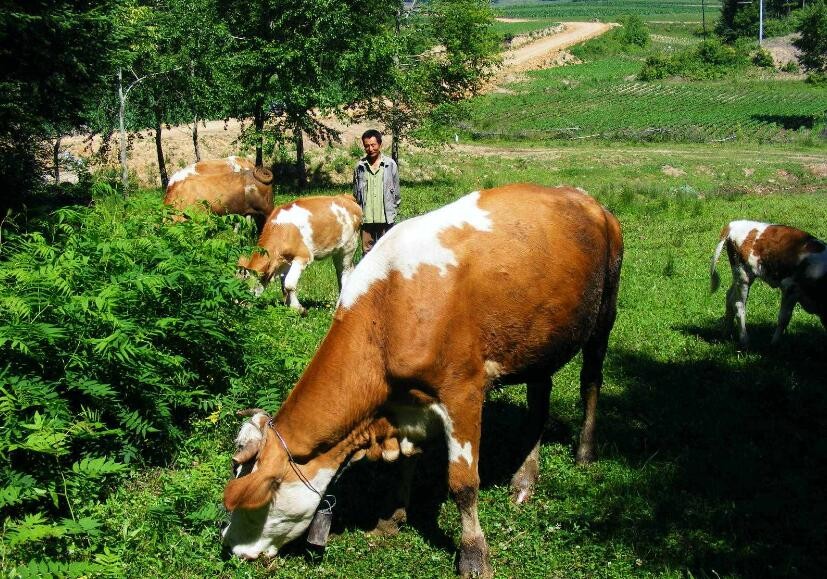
(711, 461)
(729, 455)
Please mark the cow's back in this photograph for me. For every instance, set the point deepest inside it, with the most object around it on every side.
(515, 275)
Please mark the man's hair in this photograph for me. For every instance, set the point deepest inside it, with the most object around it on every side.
(372, 133)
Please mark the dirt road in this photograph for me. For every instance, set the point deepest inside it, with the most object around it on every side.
(218, 139)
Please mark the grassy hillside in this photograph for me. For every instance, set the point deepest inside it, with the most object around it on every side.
(603, 99)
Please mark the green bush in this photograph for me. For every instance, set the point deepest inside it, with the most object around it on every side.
(117, 326)
(633, 31)
(763, 58)
(709, 59)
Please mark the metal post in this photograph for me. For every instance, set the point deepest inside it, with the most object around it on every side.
(760, 21)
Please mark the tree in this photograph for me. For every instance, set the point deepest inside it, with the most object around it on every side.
(442, 52)
(293, 59)
(813, 40)
(54, 55)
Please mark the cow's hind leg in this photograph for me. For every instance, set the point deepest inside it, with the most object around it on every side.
(789, 297)
(461, 418)
(591, 374)
(522, 484)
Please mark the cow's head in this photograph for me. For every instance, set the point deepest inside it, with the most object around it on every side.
(270, 504)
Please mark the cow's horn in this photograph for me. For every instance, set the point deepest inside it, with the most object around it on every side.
(263, 175)
(248, 452)
(251, 412)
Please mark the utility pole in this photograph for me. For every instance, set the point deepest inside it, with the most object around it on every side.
(760, 21)
(703, 15)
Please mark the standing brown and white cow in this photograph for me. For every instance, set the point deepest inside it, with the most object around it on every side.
(502, 286)
(301, 231)
(231, 185)
(782, 256)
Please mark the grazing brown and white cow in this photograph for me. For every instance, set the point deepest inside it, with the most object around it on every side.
(502, 286)
(301, 231)
(231, 185)
(782, 256)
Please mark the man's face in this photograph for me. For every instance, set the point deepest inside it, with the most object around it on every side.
(372, 148)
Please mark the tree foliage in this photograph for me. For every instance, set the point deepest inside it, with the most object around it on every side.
(812, 41)
(115, 331)
(54, 55)
(440, 53)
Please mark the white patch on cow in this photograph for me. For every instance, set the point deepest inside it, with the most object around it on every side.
(415, 243)
(232, 161)
(740, 230)
(346, 221)
(300, 218)
(493, 369)
(456, 450)
(265, 530)
(182, 174)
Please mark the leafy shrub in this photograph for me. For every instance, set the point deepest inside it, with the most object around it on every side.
(630, 36)
(790, 66)
(117, 325)
(709, 59)
(633, 31)
(763, 58)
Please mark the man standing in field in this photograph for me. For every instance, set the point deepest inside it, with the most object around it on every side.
(376, 188)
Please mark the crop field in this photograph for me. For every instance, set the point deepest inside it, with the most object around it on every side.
(609, 10)
(601, 99)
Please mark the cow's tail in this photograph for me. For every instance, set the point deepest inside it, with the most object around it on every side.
(714, 278)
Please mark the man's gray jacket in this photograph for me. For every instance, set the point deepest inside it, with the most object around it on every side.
(390, 186)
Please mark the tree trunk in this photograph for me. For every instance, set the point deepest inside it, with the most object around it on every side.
(122, 129)
(159, 150)
(301, 168)
(195, 142)
(258, 119)
(55, 157)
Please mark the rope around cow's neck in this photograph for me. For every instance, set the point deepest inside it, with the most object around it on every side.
(329, 499)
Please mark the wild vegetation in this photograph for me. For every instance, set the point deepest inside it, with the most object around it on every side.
(128, 345)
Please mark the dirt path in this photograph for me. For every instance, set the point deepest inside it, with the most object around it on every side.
(218, 139)
(537, 54)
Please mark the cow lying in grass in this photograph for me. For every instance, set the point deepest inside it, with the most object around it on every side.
(299, 232)
(783, 257)
(232, 185)
(502, 286)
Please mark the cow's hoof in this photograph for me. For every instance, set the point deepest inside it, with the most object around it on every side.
(390, 526)
(473, 560)
(522, 485)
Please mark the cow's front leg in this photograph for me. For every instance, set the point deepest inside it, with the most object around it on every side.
(461, 419)
(291, 281)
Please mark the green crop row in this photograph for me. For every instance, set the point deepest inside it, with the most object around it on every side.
(602, 100)
(659, 10)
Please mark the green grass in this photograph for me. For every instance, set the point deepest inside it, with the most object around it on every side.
(602, 99)
(608, 10)
(511, 29)
(709, 457)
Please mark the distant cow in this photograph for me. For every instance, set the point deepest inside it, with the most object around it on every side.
(232, 185)
(299, 232)
(783, 257)
(502, 286)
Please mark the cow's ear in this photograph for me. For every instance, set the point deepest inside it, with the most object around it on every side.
(250, 492)
(244, 262)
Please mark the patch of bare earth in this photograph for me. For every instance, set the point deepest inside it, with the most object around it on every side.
(220, 138)
(672, 171)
